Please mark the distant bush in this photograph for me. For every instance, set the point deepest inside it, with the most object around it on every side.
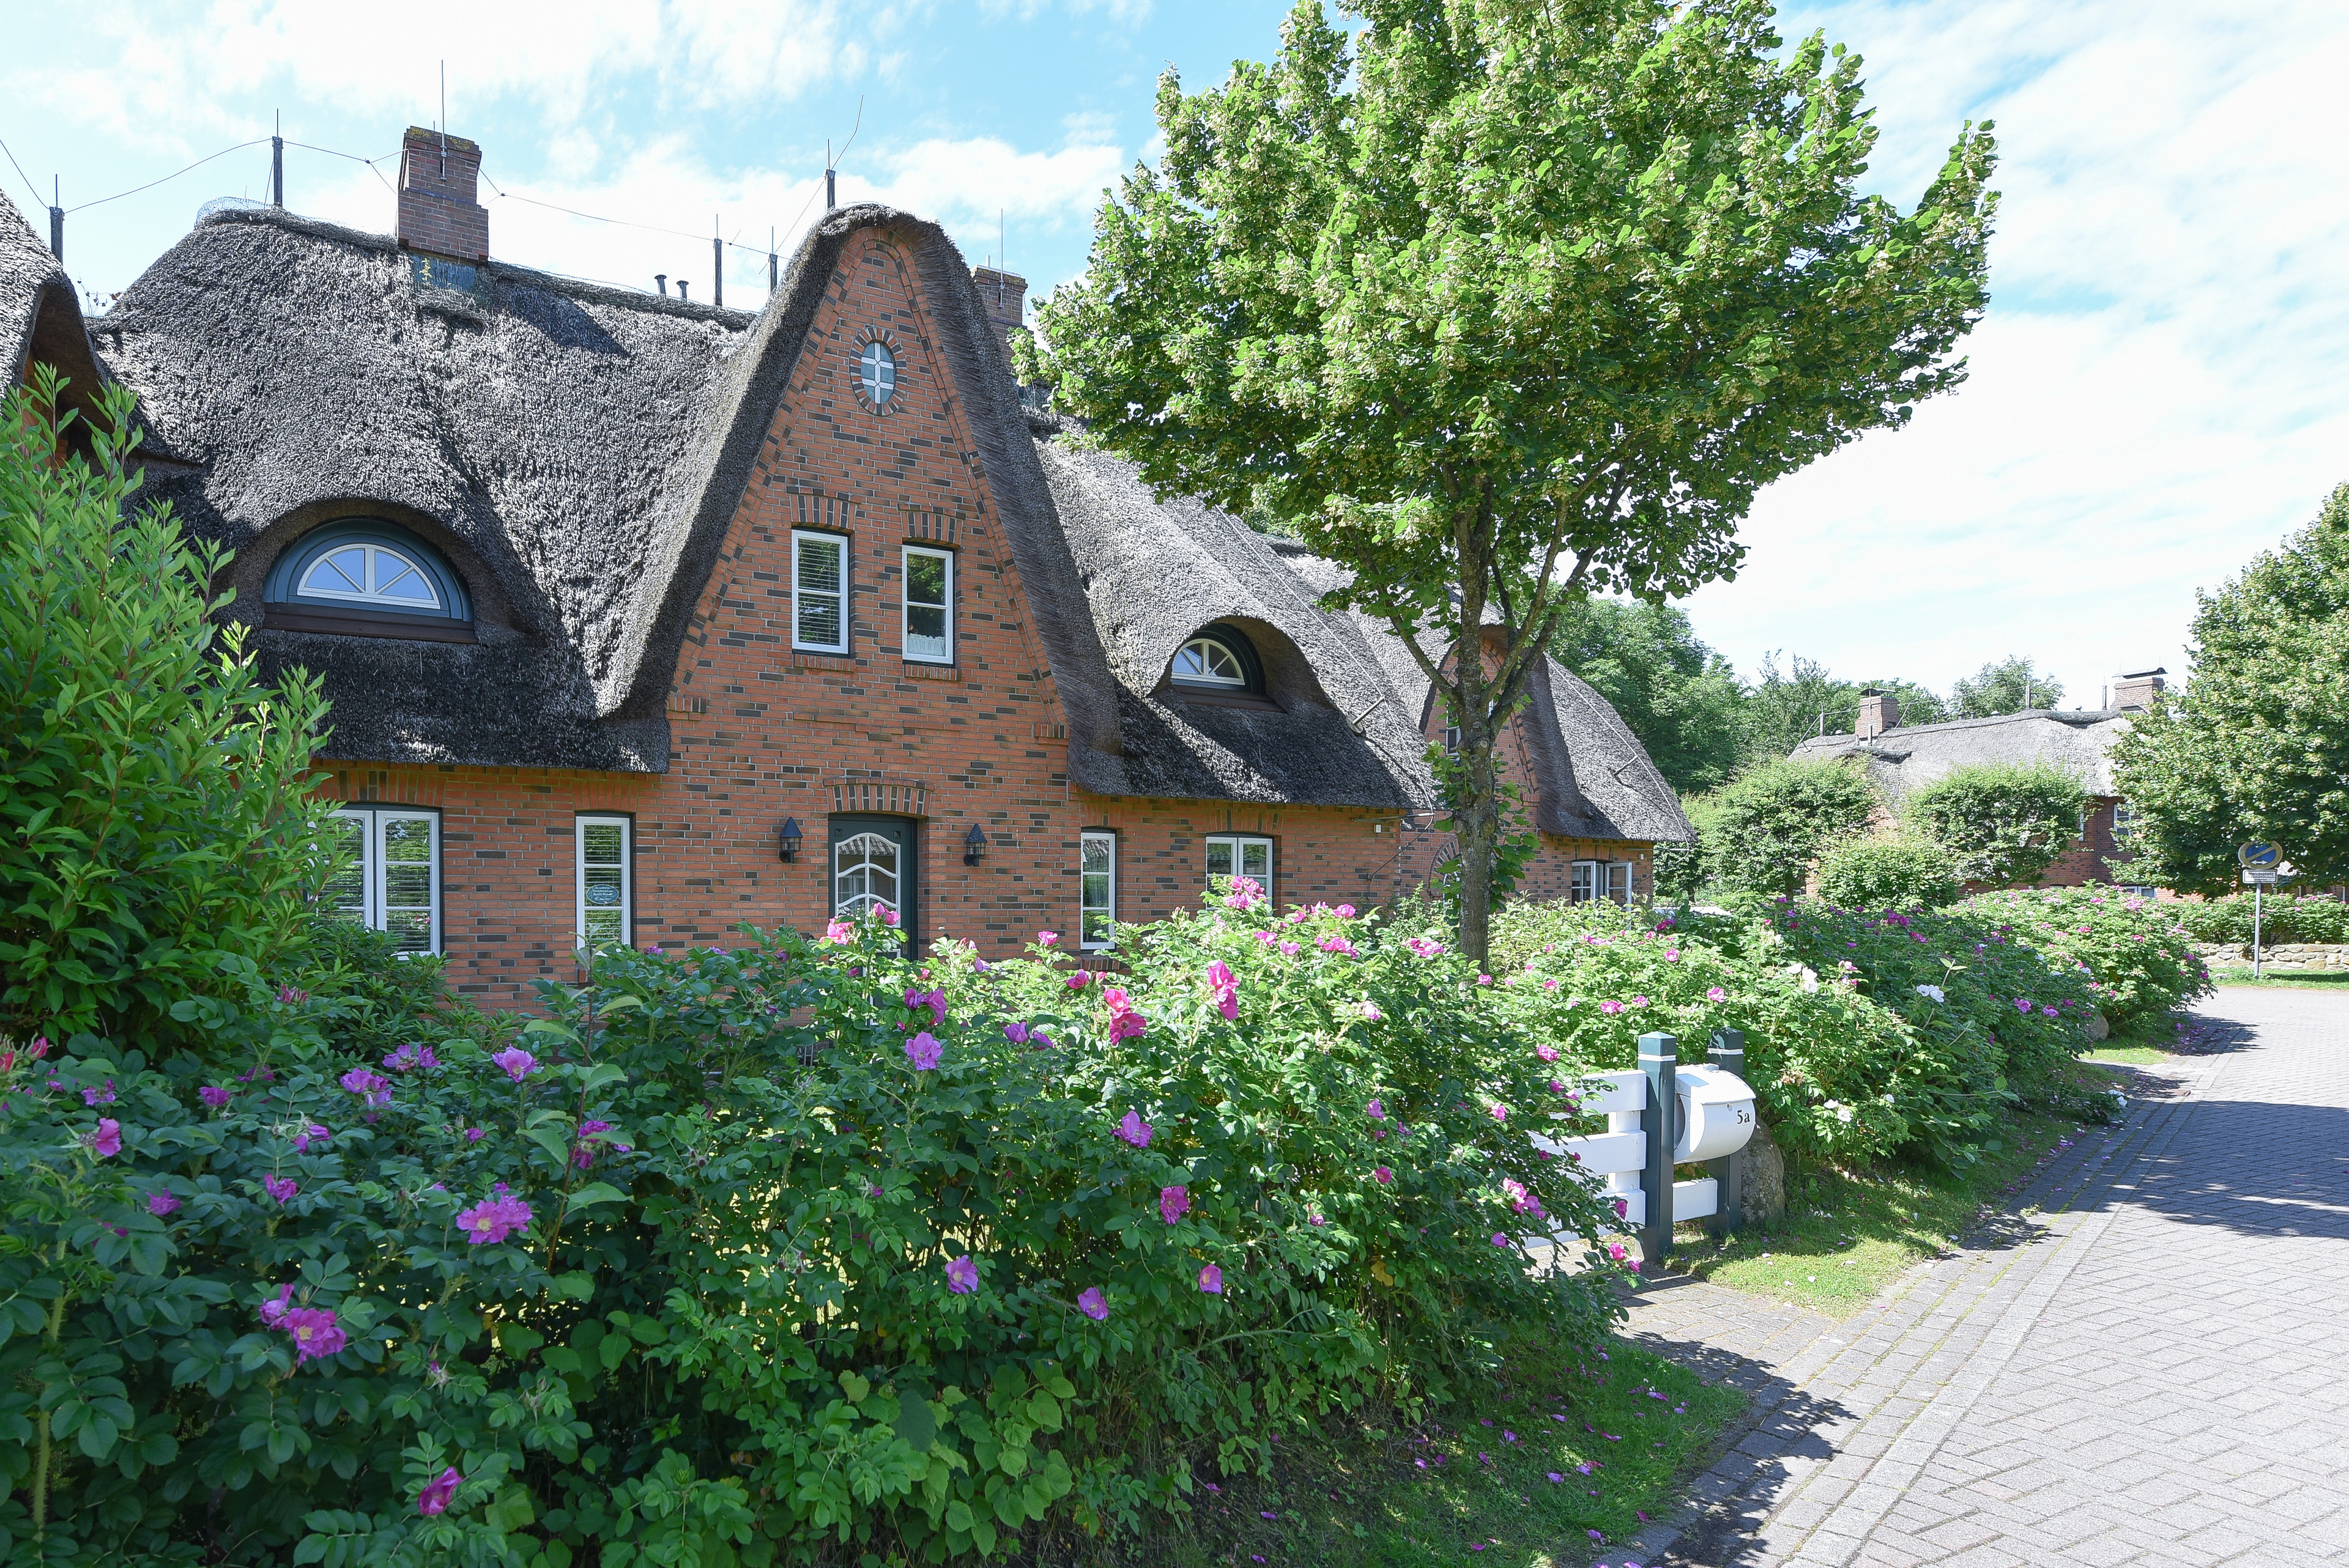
(2139, 959)
(1890, 873)
(1776, 819)
(2003, 822)
(2282, 919)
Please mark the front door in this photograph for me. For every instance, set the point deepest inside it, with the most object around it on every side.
(874, 866)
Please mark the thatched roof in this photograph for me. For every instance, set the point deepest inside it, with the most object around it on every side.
(1909, 755)
(577, 452)
(40, 318)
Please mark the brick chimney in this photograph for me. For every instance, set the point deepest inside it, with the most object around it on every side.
(439, 212)
(2136, 689)
(1005, 295)
(1878, 711)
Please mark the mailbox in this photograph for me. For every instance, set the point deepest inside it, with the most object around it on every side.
(1716, 1113)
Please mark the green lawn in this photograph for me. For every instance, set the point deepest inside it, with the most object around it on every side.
(1518, 1475)
(2321, 982)
(1847, 1235)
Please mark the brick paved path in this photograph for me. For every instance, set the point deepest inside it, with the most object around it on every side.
(2153, 1369)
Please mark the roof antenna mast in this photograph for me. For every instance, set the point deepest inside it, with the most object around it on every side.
(277, 162)
(444, 119)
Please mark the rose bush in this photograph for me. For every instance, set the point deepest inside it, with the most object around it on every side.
(2139, 959)
(733, 1253)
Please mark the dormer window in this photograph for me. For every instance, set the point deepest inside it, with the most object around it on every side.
(367, 577)
(1216, 659)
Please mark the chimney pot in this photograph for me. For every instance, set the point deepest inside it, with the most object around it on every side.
(680, 288)
(441, 213)
(1878, 713)
(660, 282)
(1005, 294)
(2137, 688)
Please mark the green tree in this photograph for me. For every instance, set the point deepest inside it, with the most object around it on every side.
(155, 813)
(1764, 831)
(1679, 696)
(1506, 303)
(2257, 746)
(1894, 871)
(2005, 822)
(1785, 709)
(2012, 685)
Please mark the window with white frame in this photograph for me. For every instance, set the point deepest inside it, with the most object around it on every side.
(929, 605)
(1241, 855)
(606, 887)
(391, 882)
(1583, 881)
(820, 593)
(1618, 882)
(1097, 874)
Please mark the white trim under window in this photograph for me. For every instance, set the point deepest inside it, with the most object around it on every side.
(603, 889)
(394, 881)
(1241, 855)
(1097, 889)
(929, 605)
(819, 591)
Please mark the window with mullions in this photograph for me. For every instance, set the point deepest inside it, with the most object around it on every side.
(1097, 877)
(820, 593)
(1241, 855)
(1215, 659)
(1588, 881)
(929, 605)
(366, 567)
(605, 881)
(876, 375)
(391, 878)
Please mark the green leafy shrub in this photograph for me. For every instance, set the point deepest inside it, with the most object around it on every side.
(2141, 961)
(156, 815)
(1837, 1078)
(2281, 920)
(735, 1255)
(1890, 873)
(1767, 827)
(2004, 822)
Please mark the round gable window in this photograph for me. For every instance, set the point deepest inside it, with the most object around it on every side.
(1215, 659)
(876, 375)
(366, 566)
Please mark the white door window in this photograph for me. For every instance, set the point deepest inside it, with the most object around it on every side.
(865, 871)
(392, 882)
(929, 605)
(820, 593)
(605, 886)
(1241, 855)
(1097, 872)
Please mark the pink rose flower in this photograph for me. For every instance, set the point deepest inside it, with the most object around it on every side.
(962, 1275)
(1211, 1280)
(315, 1333)
(1546, 1053)
(1093, 1304)
(494, 1219)
(1046, 938)
(1173, 1202)
(434, 1497)
(1134, 1130)
(106, 1141)
(1385, 1175)
(281, 1187)
(924, 1050)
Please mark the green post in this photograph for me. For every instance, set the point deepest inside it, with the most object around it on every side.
(1658, 1059)
(1727, 1052)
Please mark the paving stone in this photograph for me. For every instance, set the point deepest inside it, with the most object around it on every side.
(2138, 1368)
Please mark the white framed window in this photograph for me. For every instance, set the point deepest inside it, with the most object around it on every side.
(393, 881)
(876, 375)
(1618, 883)
(363, 573)
(2139, 890)
(1097, 874)
(1241, 855)
(820, 593)
(929, 605)
(1583, 881)
(604, 889)
(1209, 662)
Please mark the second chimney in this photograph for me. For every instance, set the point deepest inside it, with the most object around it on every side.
(440, 209)
(2137, 688)
(1878, 713)
(1005, 295)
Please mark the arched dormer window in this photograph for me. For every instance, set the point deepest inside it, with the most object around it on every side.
(1217, 658)
(366, 577)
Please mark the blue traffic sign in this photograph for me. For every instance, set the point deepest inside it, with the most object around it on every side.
(2258, 856)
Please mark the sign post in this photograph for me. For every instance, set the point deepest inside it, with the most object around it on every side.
(2259, 863)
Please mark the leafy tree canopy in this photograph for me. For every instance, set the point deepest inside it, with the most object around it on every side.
(1679, 696)
(1891, 871)
(1764, 831)
(2257, 746)
(2012, 685)
(2005, 822)
(1503, 302)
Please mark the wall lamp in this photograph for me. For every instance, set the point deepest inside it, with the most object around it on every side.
(787, 837)
(974, 845)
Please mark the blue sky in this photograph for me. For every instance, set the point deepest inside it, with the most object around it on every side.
(2155, 395)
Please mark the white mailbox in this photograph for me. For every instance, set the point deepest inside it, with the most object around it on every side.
(1716, 1113)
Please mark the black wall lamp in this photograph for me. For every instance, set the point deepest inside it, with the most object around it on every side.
(974, 845)
(788, 836)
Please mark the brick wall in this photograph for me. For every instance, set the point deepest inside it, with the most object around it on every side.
(759, 733)
(440, 206)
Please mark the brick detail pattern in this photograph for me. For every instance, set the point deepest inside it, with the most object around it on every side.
(760, 732)
(440, 209)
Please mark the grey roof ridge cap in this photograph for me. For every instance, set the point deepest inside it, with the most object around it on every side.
(561, 282)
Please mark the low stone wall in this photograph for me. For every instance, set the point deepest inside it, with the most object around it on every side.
(2303, 956)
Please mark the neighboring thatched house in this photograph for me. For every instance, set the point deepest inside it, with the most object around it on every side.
(642, 618)
(1902, 757)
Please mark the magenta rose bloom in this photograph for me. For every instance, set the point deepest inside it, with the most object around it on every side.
(962, 1275)
(1134, 1130)
(1174, 1203)
(1093, 1304)
(281, 1187)
(434, 1497)
(315, 1333)
(214, 1095)
(106, 1141)
(494, 1219)
(1211, 1280)
(274, 1311)
(519, 1063)
(159, 1203)
(924, 1050)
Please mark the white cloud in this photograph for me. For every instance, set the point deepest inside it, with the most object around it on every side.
(2155, 393)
